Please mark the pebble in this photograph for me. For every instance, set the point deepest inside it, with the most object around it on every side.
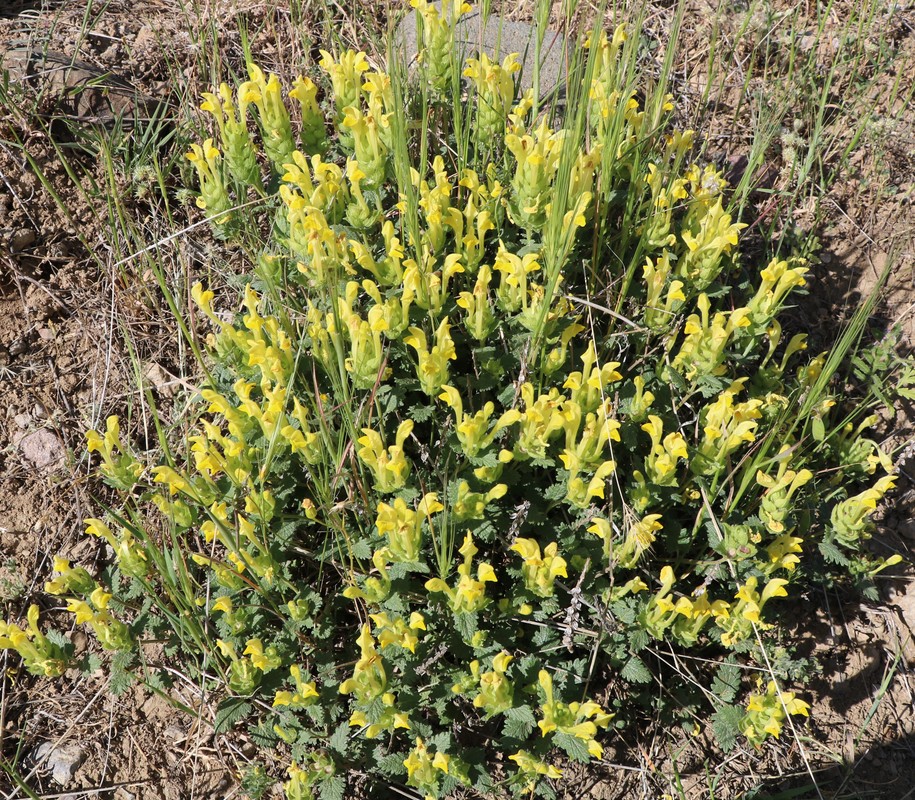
(21, 239)
(471, 36)
(59, 250)
(61, 760)
(42, 448)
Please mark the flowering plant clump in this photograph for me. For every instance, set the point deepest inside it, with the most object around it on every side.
(482, 430)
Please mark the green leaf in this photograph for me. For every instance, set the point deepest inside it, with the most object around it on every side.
(555, 492)
(59, 639)
(727, 682)
(507, 395)
(638, 639)
(339, 739)
(832, 554)
(441, 741)
(90, 663)
(389, 764)
(362, 550)
(157, 679)
(635, 671)
(230, 712)
(676, 380)
(332, 788)
(386, 400)
(263, 736)
(726, 725)
(624, 611)
(121, 678)
(465, 625)
(818, 429)
(519, 722)
(422, 413)
(572, 746)
(316, 714)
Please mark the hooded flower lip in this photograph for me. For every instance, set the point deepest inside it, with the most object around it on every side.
(540, 570)
(469, 594)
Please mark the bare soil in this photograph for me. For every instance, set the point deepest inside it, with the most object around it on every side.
(68, 305)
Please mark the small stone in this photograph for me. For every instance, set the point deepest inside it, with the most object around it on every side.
(42, 448)
(22, 420)
(175, 732)
(19, 346)
(145, 38)
(59, 250)
(907, 529)
(80, 641)
(61, 761)
(471, 37)
(807, 43)
(163, 383)
(22, 238)
(46, 334)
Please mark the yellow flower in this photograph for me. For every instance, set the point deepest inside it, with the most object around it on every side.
(539, 572)
(470, 594)
(532, 768)
(369, 677)
(389, 466)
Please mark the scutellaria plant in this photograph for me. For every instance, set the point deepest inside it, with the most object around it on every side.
(501, 409)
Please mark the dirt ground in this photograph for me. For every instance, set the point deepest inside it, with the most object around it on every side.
(68, 304)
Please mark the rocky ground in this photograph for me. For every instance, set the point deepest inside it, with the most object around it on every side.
(81, 330)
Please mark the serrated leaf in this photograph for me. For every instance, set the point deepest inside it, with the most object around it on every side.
(316, 714)
(832, 554)
(465, 625)
(332, 788)
(339, 738)
(544, 636)
(398, 571)
(555, 492)
(507, 396)
(486, 460)
(528, 665)
(59, 639)
(635, 671)
(422, 413)
(519, 722)
(157, 679)
(624, 611)
(726, 726)
(869, 592)
(726, 683)
(229, 712)
(90, 663)
(362, 550)
(390, 764)
(572, 746)
(285, 532)
(441, 741)
(121, 679)
(638, 639)
(677, 380)
(263, 736)
(542, 463)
